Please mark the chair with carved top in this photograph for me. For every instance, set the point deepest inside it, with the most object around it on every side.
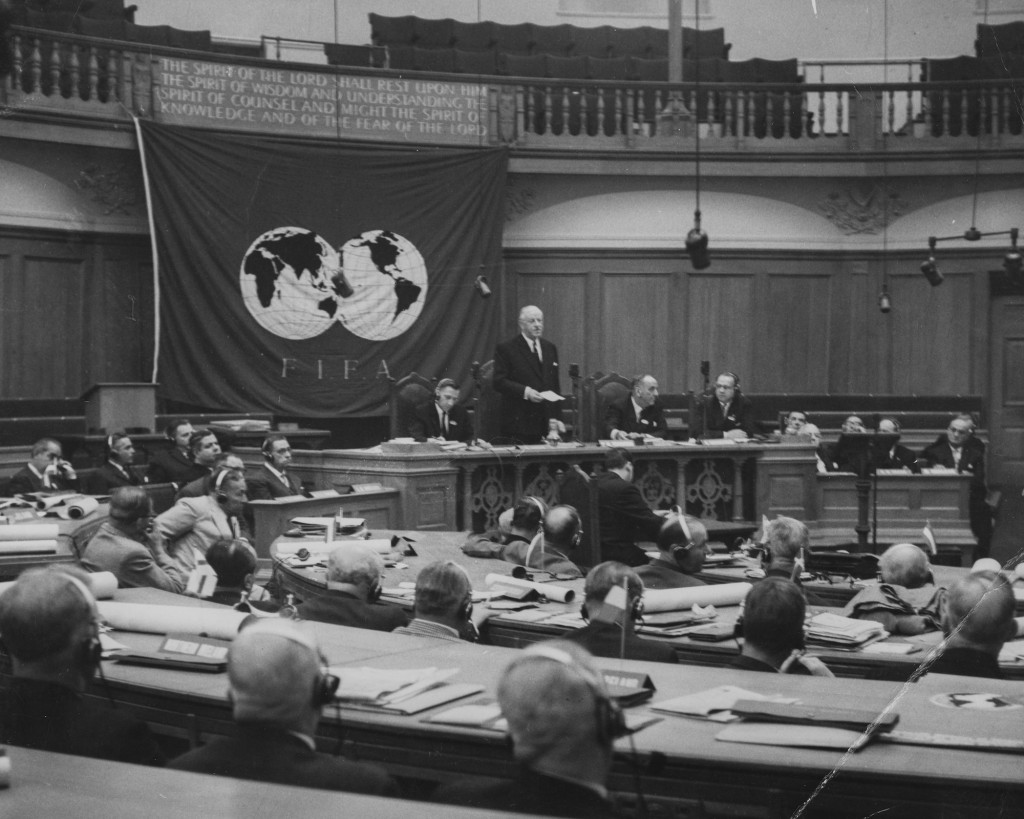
(487, 406)
(599, 392)
(405, 396)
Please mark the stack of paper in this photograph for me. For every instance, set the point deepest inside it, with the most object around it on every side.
(834, 631)
(405, 691)
(714, 704)
(244, 424)
(317, 527)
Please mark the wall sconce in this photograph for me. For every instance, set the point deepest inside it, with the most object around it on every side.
(1011, 262)
(481, 287)
(884, 300)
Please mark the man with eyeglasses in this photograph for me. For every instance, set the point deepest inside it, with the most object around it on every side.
(960, 451)
(274, 480)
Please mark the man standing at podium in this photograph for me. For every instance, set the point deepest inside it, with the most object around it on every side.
(525, 368)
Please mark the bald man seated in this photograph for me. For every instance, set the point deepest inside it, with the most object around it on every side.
(278, 689)
(50, 628)
(444, 604)
(545, 550)
(562, 724)
(353, 592)
(977, 618)
(906, 601)
(682, 545)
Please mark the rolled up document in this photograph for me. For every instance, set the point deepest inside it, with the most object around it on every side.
(11, 547)
(220, 623)
(80, 506)
(559, 594)
(29, 531)
(724, 594)
(102, 584)
(51, 500)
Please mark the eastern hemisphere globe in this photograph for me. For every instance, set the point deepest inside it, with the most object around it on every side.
(388, 279)
(292, 283)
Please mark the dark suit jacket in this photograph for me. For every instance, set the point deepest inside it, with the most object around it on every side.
(530, 792)
(750, 664)
(967, 663)
(265, 485)
(515, 369)
(25, 482)
(107, 478)
(51, 717)
(268, 754)
(741, 416)
(898, 458)
(426, 424)
(660, 574)
(624, 519)
(972, 460)
(346, 609)
(622, 415)
(605, 640)
(170, 466)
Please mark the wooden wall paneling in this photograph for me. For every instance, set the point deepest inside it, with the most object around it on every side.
(932, 334)
(562, 297)
(122, 320)
(794, 338)
(864, 332)
(720, 329)
(634, 326)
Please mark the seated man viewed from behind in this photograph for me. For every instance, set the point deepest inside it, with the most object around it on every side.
(682, 545)
(278, 689)
(624, 516)
(234, 562)
(444, 604)
(353, 592)
(906, 600)
(50, 627)
(772, 627)
(46, 471)
(612, 616)
(977, 618)
(124, 544)
(562, 724)
(638, 414)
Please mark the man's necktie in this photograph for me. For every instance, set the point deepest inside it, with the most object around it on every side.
(535, 345)
(444, 422)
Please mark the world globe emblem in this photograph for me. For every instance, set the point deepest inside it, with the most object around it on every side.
(291, 282)
(388, 278)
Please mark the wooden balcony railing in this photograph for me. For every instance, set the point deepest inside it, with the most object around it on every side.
(87, 77)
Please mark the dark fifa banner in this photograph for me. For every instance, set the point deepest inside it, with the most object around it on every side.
(297, 278)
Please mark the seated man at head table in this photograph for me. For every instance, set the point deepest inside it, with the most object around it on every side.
(836, 459)
(203, 449)
(624, 516)
(50, 628)
(612, 615)
(443, 607)
(193, 525)
(562, 724)
(353, 592)
(906, 601)
(46, 471)
(638, 414)
(273, 479)
(123, 545)
(174, 464)
(442, 419)
(117, 469)
(977, 618)
(727, 413)
(234, 563)
(681, 551)
(278, 688)
(772, 627)
(546, 550)
(898, 456)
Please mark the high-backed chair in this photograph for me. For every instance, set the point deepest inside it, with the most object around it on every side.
(487, 422)
(405, 395)
(599, 392)
(577, 489)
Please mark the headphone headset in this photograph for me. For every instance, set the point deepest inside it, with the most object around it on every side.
(268, 447)
(797, 631)
(735, 378)
(325, 686)
(608, 716)
(218, 479)
(91, 652)
(373, 595)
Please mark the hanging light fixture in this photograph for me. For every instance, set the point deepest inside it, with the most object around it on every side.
(1011, 261)
(696, 238)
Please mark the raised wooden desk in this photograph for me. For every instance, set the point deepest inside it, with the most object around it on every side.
(679, 759)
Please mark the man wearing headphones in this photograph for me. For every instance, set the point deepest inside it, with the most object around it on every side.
(977, 618)
(681, 552)
(353, 592)
(117, 469)
(274, 480)
(638, 414)
(727, 413)
(614, 602)
(278, 688)
(122, 545)
(562, 724)
(772, 628)
(173, 465)
(898, 456)
(442, 419)
(192, 525)
(547, 550)
(50, 628)
(444, 604)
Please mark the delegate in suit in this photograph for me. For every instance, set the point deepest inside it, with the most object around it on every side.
(442, 419)
(274, 480)
(638, 414)
(726, 414)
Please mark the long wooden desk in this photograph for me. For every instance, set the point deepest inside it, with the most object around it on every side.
(679, 758)
(71, 541)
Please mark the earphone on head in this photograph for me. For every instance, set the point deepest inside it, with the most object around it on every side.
(373, 595)
(91, 650)
(735, 379)
(325, 686)
(218, 481)
(636, 610)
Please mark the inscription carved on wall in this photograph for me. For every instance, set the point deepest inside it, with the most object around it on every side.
(862, 210)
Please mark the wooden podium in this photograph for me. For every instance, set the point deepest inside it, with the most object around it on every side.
(113, 407)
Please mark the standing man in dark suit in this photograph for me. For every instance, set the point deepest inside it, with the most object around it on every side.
(117, 470)
(726, 414)
(46, 471)
(959, 450)
(525, 368)
(278, 689)
(274, 480)
(623, 515)
(173, 465)
(442, 419)
(637, 414)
